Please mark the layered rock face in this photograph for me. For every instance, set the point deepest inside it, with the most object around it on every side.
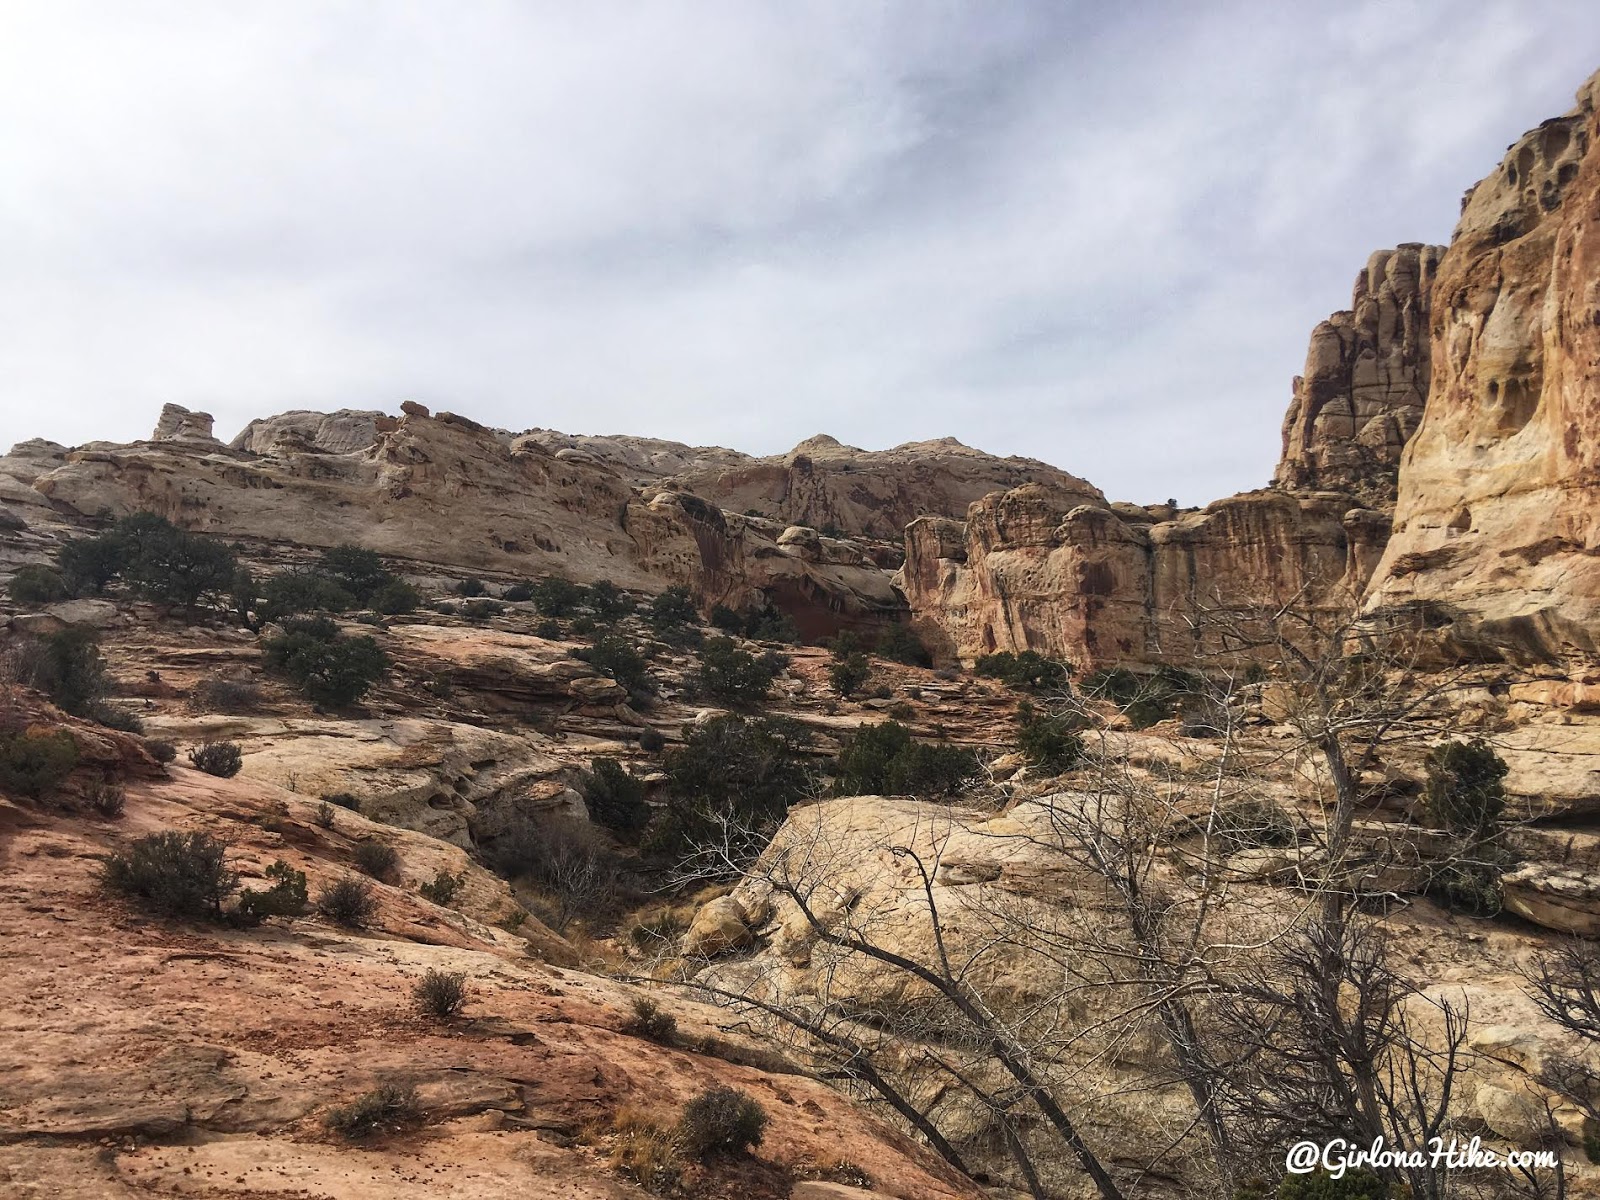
(1497, 517)
(825, 484)
(1365, 382)
(447, 492)
(1101, 587)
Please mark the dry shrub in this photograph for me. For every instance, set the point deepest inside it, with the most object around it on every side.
(645, 1150)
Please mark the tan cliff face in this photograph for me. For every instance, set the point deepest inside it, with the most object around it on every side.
(1496, 515)
(1103, 588)
(1365, 382)
(447, 492)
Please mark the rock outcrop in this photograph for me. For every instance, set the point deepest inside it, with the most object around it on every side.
(825, 484)
(445, 491)
(178, 424)
(1365, 382)
(1032, 569)
(341, 432)
(1497, 517)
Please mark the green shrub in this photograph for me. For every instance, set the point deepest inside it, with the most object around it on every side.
(732, 675)
(549, 628)
(899, 644)
(386, 1109)
(614, 797)
(885, 760)
(556, 597)
(173, 874)
(582, 626)
(1465, 793)
(440, 994)
(89, 564)
(171, 566)
(65, 666)
(617, 657)
(442, 889)
(652, 1021)
(724, 618)
(607, 601)
(161, 750)
(1027, 671)
(471, 586)
(481, 610)
(518, 592)
(651, 741)
(377, 859)
(222, 759)
(331, 670)
(847, 675)
(721, 1120)
(105, 800)
(326, 815)
(34, 586)
(396, 597)
(32, 764)
(1050, 743)
(1146, 699)
(348, 901)
(285, 898)
(673, 607)
(749, 770)
(296, 592)
(359, 572)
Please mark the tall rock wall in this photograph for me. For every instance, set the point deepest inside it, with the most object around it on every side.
(1365, 382)
(1498, 515)
(1102, 587)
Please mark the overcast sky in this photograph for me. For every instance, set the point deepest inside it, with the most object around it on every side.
(1094, 233)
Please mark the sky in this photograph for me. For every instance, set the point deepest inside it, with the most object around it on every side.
(1099, 234)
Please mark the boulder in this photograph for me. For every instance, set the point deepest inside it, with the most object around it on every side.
(718, 927)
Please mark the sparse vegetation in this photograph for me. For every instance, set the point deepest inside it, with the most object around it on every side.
(732, 675)
(555, 597)
(884, 759)
(899, 644)
(173, 874)
(1465, 796)
(34, 586)
(644, 1151)
(614, 797)
(1145, 699)
(342, 800)
(227, 696)
(1250, 823)
(616, 656)
(567, 860)
(442, 888)
(222, 759)
(377, 859)
(673, 607)
(66, 667)
(607, 601)
(32, 762)
(105, 800)
(471, 586)
(721, 1120)
(846, 675)
(441, 994)
(1049, 742)
(348, 901)
(285, 898)
(332, 670)
(160, 749)
(325, 815)
(1027, 671)
(652, 1021)
(387, 1109)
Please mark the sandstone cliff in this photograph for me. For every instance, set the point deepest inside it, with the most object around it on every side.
(1496, 516)
(1365, 382)
(447, 492)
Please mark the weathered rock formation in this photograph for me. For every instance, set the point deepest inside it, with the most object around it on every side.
(825, 484)
(340, 432)
(1365, 382)
(446, 491)
(179, 424)
(1497, 516)
(1099, 587)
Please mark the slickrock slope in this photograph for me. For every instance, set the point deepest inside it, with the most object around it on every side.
(1497, 514)
(145, 1057)
(1365, 382)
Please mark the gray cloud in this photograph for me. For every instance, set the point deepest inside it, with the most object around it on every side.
(1095, 234)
